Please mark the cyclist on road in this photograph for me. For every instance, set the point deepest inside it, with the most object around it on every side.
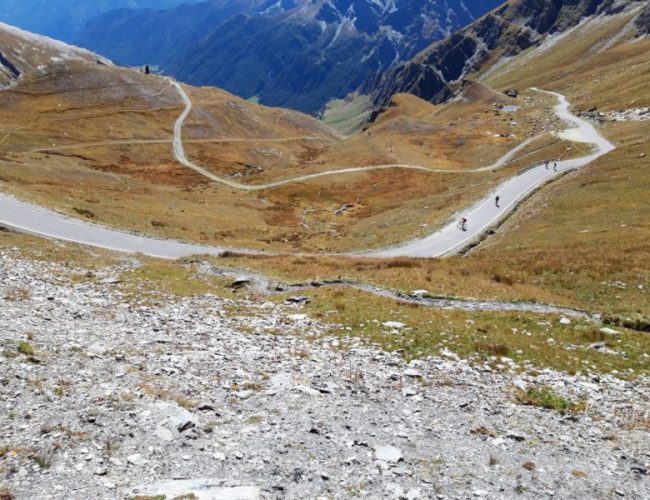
(462, 224)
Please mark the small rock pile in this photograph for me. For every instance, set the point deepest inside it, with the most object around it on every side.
(627, 115)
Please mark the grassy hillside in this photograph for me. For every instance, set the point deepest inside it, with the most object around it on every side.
(94, 141)
(582, 242)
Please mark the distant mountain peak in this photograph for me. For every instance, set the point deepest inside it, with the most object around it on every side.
(292, 53)
(511, 28)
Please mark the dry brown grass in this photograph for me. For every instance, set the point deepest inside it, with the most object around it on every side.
(588, 237)
(17, 294)
(492, 349)
(583, 67)
(166, 394)
(52, 153)
(584, 241)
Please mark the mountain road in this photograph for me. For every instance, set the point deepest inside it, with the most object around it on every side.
(482, 216)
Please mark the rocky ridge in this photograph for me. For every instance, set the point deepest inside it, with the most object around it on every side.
(436, 73)
(237, 398)
(292, 53)
(23, 53)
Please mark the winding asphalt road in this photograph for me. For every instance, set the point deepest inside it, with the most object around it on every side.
(485, 213)
(449, 240)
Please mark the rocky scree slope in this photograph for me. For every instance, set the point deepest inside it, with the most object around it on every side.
(105, 396)
(296, 53)
(435, 73)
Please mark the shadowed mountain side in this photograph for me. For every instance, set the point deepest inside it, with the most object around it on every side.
(297, 54)
(64, 19)
(505, 32)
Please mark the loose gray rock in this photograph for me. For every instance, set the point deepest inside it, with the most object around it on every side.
(202, 489)
(388, 453)
(146, 412)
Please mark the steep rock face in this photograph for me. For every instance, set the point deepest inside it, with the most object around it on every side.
(504, 32)
(642, 21)
(8, 67)
(418, 79)
(293, 53)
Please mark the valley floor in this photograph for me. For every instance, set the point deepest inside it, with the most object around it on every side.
(105, 396)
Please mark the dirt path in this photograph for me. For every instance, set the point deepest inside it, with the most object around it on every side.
(482, 216)
(265, 285)
(181, 157)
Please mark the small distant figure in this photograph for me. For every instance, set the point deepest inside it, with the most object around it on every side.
(147, 71)
(496, 201)
(546, 165)
(462, 224)
(555, 167)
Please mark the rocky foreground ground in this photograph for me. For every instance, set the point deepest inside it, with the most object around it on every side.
(103, 399)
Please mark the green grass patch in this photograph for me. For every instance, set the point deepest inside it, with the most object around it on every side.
(348, 116)
(532, 341)
(547, 398)
(156, 279)
(26, 348)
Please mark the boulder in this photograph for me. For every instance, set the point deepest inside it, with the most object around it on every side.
(202, 489)
(388, 454)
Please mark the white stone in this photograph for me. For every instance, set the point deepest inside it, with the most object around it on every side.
(394, 324)
(202, 489)
(172, 416)
(395, 489)
(519, 384)
(136, 459)
(388, 454)
(108, 484)
(413, 494)
(164, 434)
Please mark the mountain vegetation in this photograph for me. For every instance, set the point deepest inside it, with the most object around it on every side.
(297, 363)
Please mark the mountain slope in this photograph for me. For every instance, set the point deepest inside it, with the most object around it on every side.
(295, 53)
(64, 19)
(503, 33)
(22, 53)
